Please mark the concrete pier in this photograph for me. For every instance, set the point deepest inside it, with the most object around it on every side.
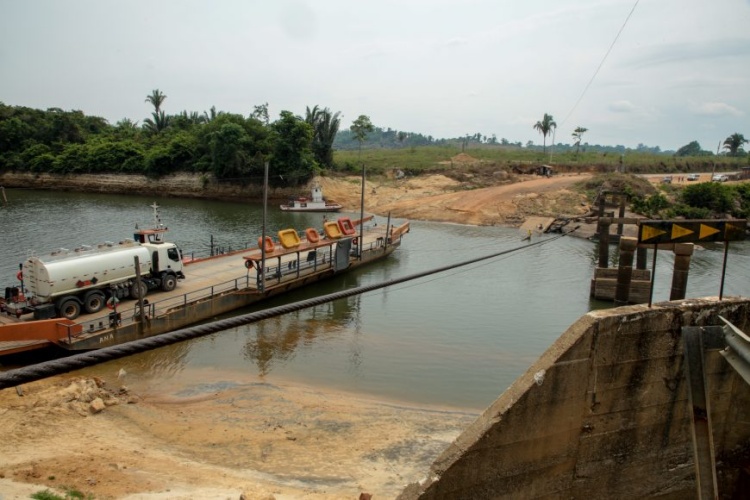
(604, 413)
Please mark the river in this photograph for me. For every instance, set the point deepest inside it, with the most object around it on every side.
(456, 339)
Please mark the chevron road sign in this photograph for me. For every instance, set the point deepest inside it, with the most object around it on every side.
(653, 232)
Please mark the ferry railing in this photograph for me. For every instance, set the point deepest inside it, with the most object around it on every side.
(280, 270)
(129, 313)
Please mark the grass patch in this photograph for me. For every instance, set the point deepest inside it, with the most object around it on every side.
(70, 494)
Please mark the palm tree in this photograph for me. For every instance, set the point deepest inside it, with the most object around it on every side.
(734, 143)
(156, 98)
(159, 122)
(545, 127)
(325, 126)
(209, 117)
(577, 134)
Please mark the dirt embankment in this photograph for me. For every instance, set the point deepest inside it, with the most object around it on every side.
(432, 197)
(438, 198)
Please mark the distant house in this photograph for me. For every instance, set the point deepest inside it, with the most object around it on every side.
(745, 173)
(544, 170)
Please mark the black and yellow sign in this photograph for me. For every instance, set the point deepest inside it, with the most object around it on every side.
(654, 232)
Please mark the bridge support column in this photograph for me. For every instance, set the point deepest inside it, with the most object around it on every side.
(625, 270)
(641, 255)
(603, 231)
(621, 215)
(682, 254)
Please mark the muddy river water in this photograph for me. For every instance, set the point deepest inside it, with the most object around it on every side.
(457, 338)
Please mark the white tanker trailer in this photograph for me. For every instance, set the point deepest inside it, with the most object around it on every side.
(66, 283)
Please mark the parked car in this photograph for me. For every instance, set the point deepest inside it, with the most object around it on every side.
(693, 177)
(720, 178)
(667, 179)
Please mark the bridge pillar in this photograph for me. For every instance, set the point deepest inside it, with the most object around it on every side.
(621, 215)
(682, 254)
(641, 255)
(625, 270)
(603, 229)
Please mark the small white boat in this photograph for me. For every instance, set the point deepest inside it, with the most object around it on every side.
(314, 204)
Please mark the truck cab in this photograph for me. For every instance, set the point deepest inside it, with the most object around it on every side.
(165, 257)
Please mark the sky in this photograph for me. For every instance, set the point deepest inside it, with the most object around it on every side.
(653, 72)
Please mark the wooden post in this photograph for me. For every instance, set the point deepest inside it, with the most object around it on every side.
(682, 254)
(625, 270)
(603, 230)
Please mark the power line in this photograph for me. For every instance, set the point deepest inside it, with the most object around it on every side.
(601, 63)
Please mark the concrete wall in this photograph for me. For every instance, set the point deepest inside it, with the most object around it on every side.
(604, 414)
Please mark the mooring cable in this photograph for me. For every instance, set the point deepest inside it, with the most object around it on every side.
(45, 369)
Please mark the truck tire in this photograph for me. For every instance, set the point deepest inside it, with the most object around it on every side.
(94, 301)
(138, 290)
(168, 282)
(69, 308)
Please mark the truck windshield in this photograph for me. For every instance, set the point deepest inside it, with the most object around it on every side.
(173, 254)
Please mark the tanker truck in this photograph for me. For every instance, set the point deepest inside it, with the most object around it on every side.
(66, 283)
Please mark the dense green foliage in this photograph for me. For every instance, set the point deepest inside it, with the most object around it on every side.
(231, 147)
(692, 149)
(235, 148)
(734, 144)
(704, 200)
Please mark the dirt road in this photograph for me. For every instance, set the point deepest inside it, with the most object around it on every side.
(438, 198)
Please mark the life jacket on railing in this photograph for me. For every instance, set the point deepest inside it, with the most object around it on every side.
(269, 244)
(312, 235)
(346, 226)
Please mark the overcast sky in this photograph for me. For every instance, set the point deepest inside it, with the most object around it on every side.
(680, 70)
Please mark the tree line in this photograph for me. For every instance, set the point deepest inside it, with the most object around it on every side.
(732, 145)
(232, 147)
(229, 146)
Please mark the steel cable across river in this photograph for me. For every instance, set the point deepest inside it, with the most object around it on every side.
(458, 338)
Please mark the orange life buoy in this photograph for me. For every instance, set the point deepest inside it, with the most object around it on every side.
(19, 276)
(112, 302)
(346, 226)
(312, 235)
(269, 243)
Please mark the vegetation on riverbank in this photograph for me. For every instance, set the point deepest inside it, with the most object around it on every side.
(232, 148)
(702, 200)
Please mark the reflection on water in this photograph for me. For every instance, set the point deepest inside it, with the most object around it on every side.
(459, 338)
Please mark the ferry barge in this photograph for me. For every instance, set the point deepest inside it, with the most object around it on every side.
(212, 286)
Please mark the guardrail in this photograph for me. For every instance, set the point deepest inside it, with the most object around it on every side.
(127, 315)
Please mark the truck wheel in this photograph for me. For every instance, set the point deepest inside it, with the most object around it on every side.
(94, 301)
(169, 282)
(138, 290)
(70, 308)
